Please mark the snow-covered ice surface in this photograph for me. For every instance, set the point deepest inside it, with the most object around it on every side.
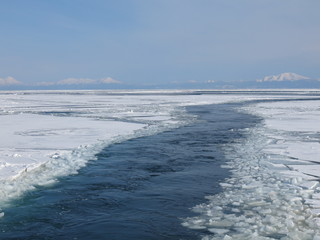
(49, 134)
(274, 189)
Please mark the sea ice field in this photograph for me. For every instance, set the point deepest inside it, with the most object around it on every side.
(263, 148)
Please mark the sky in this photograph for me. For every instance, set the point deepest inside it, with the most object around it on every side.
(155, 42)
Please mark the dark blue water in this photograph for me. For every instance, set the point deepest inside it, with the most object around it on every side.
(138, 189)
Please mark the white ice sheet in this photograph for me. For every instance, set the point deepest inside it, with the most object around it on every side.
(28, 140)
(45, 135)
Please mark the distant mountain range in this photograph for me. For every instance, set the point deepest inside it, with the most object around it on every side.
(286, 80)
(283, 77)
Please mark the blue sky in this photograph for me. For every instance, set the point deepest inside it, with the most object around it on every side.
(156, 42)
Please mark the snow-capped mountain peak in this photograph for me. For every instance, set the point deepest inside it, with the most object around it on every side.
(283, 77)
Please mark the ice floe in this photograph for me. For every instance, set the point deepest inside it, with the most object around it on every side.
(274, 189)
(49, 134)
(272, 194)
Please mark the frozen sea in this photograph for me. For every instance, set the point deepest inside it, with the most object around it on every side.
(185, 164)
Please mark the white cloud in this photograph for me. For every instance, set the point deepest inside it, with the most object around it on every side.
(109, 80)
(76, 81)
(9, 81)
